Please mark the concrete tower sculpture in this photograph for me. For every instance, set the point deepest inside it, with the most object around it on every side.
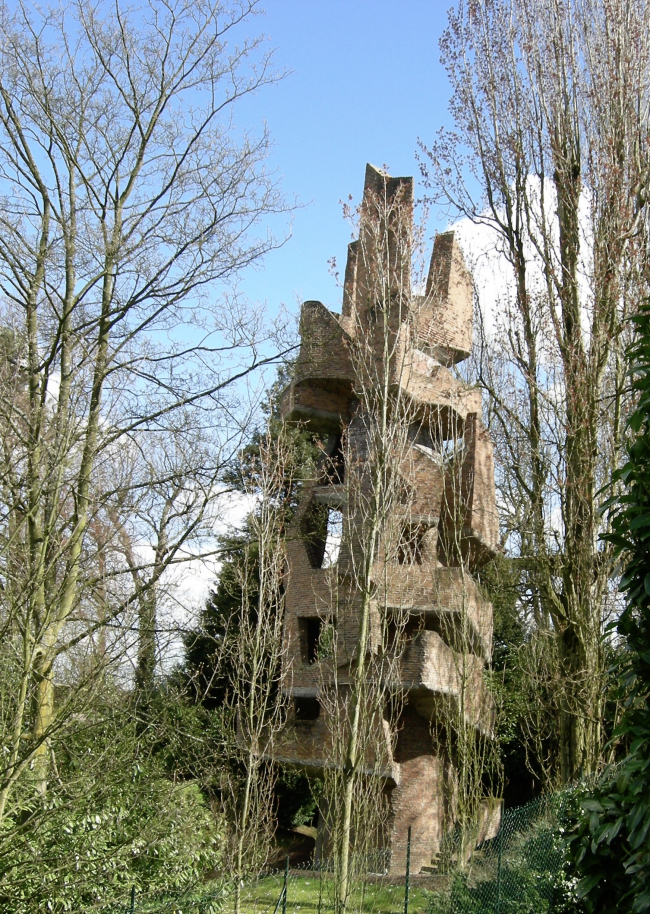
(452, 529)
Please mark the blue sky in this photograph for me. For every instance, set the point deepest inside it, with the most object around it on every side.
(366, 82)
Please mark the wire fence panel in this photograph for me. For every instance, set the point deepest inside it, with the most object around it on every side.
(311, 891)
(517, 872)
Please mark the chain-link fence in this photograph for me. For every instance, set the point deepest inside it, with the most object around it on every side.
(517, 872)
(520, 871)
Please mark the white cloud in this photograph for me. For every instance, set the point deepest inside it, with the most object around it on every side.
(483, 248)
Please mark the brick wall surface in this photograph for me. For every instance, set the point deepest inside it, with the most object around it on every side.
(419, 798)
(445, 324)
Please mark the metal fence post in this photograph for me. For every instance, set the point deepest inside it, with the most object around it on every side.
(132, 908)
(408, 872)
(284, 890)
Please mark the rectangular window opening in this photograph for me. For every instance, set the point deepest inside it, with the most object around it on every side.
(310, 632)
(336, 464)
(306, 709)
(409, 549)
(333, 538)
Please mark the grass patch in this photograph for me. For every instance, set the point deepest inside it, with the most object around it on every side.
(309, 894)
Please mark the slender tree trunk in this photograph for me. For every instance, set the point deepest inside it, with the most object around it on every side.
(351, 759)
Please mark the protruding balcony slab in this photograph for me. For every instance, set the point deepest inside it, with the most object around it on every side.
(450, 593)
(433, 672)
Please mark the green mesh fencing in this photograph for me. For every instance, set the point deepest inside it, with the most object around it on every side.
(517, 872)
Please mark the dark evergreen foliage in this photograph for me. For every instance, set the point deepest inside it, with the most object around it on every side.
(501, 582)
(207, 668)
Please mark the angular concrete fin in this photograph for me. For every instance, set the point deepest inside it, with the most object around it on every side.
(323, 345)
(447, 318)
(479, 492)
(378, 181)
(350, 281)
(385, 233)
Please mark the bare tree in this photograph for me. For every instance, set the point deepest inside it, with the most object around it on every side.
(376, 444)
(550, 102)
(463, 728)
(128, 200)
